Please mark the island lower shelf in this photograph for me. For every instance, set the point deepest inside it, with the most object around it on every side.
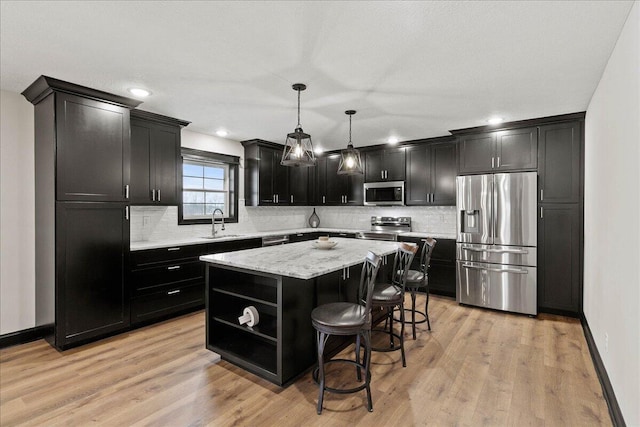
(281, 345)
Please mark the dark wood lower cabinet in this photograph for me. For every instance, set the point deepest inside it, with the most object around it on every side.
(169, 281)
(90, 296)
(560, 258)
(442, 269)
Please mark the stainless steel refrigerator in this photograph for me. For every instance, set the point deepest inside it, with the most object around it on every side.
(496, 241)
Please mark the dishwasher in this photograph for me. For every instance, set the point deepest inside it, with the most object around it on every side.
(280, 239)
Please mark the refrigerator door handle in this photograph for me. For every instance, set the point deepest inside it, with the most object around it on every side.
(497, 270)
(497, 251)
(494, 208)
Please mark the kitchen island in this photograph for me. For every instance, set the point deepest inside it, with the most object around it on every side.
(284, 283)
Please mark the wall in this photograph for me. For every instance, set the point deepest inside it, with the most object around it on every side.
(17, 219)
(612, 231)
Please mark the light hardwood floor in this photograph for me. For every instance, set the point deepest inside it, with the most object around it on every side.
(476, 367)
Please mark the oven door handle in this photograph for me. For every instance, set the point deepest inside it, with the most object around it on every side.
(497, 270)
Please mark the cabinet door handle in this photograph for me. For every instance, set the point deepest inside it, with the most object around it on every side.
(498, 163)
(174, 267)
(292, 199)
(153, 195)
(323, 200)
(173, 249)
(126, 191)
(158, 194)
(381, 174)
(541, 194)
(492, 162)
(541, 212)
(273, 198)
(177, 291)
(126, 213)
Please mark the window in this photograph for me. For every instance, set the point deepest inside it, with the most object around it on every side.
(209, 182)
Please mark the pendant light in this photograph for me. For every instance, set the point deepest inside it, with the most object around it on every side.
(350, 161)
(298, 149)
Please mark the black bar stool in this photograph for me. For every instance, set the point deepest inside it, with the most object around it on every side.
(391, 296)
(418, 280)
(346, 318)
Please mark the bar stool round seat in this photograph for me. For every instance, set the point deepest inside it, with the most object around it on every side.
(391, 296)
(347, 318)
(339, 318)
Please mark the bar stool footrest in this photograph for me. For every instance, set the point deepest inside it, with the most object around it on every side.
(362, 386)
(407, 319)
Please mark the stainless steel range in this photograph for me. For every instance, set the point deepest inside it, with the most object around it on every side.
(386, 228)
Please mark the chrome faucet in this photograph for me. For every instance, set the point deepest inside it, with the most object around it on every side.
(213, 221)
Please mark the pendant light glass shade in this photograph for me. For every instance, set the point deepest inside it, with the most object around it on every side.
(298, 148)
(350, 160)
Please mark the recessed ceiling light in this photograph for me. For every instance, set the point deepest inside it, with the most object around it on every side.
(495, 120)
(142, 93)
(222, 133)
(392, 140)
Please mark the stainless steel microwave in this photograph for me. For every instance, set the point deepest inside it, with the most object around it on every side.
(389, 193)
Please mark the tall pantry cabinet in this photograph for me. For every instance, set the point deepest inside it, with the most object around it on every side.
(82, 156)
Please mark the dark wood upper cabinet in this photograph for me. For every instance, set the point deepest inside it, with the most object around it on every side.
(384, 165)
(92, 149)
(476, 153)
(431, 174)
(155, 158)
(266, 181)
(516, 149)
(560, 160)
(333, 189)
(418, 186)
(301, 186)
(500, 151)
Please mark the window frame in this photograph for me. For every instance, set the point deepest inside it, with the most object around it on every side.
(232, 162)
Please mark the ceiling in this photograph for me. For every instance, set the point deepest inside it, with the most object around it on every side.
(411, 69)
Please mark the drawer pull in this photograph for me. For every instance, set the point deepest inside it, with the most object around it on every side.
(177, 291)
(174, 267)
(173, 249)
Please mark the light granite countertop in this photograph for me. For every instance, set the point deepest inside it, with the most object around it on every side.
(302, 260)
(155, 244)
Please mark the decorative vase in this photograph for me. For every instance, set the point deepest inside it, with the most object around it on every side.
(314, 220)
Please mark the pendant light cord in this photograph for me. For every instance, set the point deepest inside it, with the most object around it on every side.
(349, 129)
(299, 108)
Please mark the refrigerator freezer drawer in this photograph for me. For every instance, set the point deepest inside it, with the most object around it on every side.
(501, 287)
(496, 254)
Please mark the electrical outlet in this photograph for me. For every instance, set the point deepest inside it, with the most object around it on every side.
(145, 221)
(606, 342)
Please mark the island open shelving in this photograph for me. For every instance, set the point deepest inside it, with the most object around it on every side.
(284, 283)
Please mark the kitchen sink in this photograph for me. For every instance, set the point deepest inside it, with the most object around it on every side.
(220, 236)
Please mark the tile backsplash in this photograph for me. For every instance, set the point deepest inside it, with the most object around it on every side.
(157, 223)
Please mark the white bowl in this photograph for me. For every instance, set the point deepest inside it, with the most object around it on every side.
(324, 244)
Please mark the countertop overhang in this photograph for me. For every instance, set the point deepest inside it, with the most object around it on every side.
(302, 260)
